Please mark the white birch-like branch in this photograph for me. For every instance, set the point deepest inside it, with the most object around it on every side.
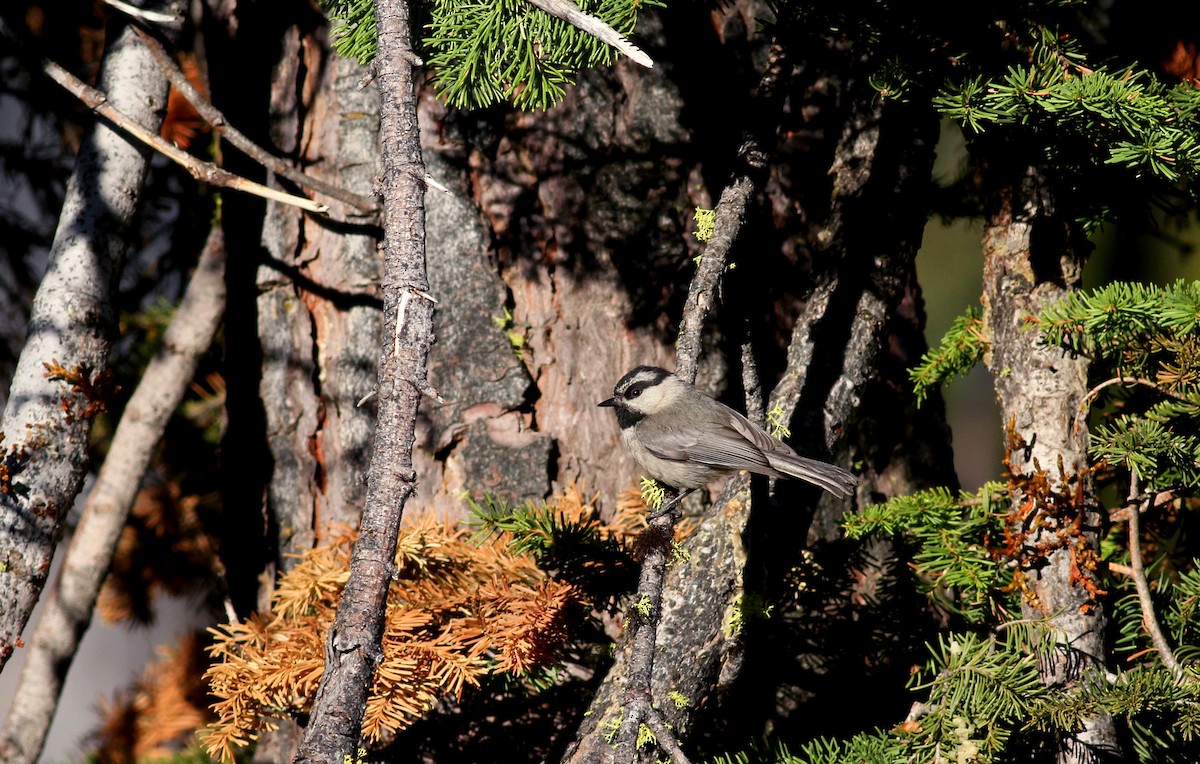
(47, 420)
(68, 610)
(585, 22)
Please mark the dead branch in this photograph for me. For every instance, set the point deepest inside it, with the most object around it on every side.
(214, 117)
(584, 22)
(206, 172)
(353, 644)
(1138, 573)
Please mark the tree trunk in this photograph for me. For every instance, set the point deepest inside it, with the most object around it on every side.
(48, 416)
(319, 310)
(1033, 257)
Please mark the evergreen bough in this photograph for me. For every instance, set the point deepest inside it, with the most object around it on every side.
(482, 52)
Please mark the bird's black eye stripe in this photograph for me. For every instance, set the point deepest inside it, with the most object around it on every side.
(636, 390)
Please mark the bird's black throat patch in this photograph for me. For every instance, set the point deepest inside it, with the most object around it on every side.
(627, 417)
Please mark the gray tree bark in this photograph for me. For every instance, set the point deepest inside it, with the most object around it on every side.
(47, 419)
(68, 611)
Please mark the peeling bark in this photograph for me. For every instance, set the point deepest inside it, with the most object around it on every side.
(47, 420)
(318, 305)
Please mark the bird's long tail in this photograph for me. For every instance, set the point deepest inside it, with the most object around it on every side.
(832, 478)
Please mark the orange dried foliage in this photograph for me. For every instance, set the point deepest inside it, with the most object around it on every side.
(182, 122)
(1184, 62)
(163, 547)
(457, 612)
(159, 716)
(96, 391)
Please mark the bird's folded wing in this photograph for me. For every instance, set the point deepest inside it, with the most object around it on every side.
(721, 446)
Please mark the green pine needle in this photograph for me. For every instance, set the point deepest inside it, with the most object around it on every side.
(961, 349)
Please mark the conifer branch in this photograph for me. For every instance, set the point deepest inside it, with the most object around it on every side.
(643, 619)
(702, 293)
(730, 213)
(585, 22)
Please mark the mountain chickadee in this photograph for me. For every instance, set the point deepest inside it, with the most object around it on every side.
(684, 438)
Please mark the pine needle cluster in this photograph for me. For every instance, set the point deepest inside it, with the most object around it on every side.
(954, 536)
(164, 549)
(1145, 343)
(980, 693)
(488, 51)
(961, 348)
(1126, 117)
(156, 719)
(457, 614)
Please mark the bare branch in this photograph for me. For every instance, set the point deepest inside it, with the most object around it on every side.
(353, 644)
(570, 13)
(729, 215)
(1040, 388)
(208, 172)
(1138, 572)
(145, 15)
(68, 611)
(1122, 380)
(643, 618)
(215, 118)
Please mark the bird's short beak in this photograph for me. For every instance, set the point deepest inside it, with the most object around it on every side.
(610, 402)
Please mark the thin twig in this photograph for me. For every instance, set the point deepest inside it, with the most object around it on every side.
(1138, 571)
(214, 117)
(570, 13)
(664, 737)
(751, 381)
(200, 170)
(156, 17)
(1120, 380)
